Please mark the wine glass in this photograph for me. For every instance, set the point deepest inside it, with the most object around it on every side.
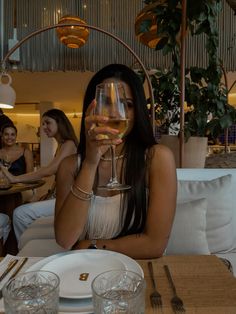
(111, 102)
(6, 162)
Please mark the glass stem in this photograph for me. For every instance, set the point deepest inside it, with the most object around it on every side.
(113, 179)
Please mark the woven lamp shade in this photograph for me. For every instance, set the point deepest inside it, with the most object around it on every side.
(148, 38)
(72, 36)
(232, 4)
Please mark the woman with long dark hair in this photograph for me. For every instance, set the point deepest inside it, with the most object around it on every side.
(137, 222)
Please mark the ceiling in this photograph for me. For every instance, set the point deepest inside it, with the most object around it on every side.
(64, 89)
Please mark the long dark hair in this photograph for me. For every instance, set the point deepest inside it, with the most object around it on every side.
(136, 144)
(65, 128)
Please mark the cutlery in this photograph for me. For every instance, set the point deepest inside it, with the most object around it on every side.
(22, 263)
(155, 296)
(10, 265)
(176, 302)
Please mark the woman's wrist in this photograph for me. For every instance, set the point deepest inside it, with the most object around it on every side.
(91, 244)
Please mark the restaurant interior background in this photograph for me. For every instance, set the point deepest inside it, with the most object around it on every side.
(46, 74)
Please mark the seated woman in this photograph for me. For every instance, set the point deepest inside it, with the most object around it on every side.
(137, 222)
(4, 231)
(19, 159)
(55, 125)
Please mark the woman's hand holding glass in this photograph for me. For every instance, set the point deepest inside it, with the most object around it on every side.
(99, 138)
(7, 174)
(110, 104)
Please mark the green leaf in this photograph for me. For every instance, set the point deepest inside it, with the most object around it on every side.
(145, 26)
(162, 43)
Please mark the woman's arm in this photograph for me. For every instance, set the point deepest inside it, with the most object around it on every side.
(67, 148)
(70, 211)
(160, 214)
(29, 161)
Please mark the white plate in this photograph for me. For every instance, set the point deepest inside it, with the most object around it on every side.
(77, 271)
(85, 305)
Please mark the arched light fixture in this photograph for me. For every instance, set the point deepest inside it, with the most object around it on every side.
(7, 93)
(72, 36)
(46, 28)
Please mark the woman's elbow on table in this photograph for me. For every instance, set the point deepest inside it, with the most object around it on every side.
(65, 238)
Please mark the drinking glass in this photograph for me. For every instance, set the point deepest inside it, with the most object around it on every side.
(6, 162)
(118, 292)
(111, 102)
(32, 292)
(4, 182)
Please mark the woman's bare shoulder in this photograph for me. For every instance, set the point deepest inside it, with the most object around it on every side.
(160, 151)
(69, 165)
(68, 142)
(70, 160)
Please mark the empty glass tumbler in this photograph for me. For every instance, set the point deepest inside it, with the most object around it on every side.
(119, 292)
(32, 292)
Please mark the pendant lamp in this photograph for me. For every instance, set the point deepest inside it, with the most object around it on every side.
(72, 36)
(149, 37)
(7, 93)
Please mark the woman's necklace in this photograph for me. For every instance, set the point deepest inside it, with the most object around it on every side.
(109, 158)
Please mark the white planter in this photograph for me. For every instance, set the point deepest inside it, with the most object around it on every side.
(195, 150)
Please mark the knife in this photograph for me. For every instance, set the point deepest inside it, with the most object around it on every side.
(22, 263)
(9, 268)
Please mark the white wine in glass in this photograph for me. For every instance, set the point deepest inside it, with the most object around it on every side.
(6, 161)
(111, 102)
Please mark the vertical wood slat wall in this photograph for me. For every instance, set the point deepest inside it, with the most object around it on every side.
(45, 53)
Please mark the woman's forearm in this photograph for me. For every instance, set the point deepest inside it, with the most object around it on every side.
(71, 218)
(137, 246)
(33, 176)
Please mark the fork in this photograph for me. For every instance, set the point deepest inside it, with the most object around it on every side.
(155, 296)
(176, 303)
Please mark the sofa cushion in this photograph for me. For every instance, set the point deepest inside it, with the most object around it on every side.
(188, 234)
(219, 228)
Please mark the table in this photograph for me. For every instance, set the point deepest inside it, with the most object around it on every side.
(202, 281)
(217, 149)
(9, 200)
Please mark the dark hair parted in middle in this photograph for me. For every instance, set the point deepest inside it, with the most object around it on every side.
(65, 128)
(8, 125)
(136, 144)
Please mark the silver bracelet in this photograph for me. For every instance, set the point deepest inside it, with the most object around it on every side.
(87, 198)
(82, 191)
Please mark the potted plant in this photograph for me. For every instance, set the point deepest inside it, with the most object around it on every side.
(207, 110)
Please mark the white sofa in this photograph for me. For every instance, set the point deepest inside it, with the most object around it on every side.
(205, 220)
(214, 192)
